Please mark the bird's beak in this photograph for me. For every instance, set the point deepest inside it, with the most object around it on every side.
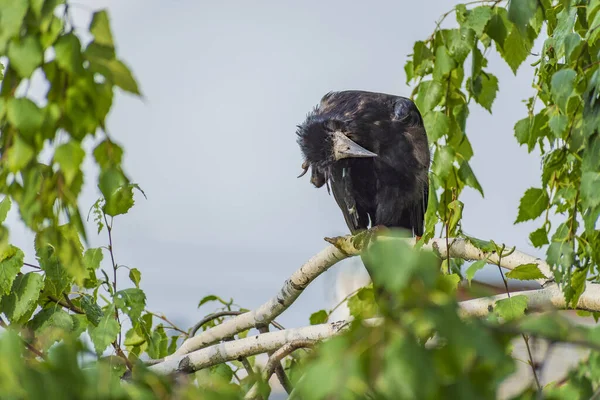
(343, 147)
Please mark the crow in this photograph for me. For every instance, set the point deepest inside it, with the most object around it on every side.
(371, 149)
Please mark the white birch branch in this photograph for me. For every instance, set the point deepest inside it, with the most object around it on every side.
(543, 299)
(274, 361)
(548, 298)
(229, 351)
(267, 312)
(344, 247)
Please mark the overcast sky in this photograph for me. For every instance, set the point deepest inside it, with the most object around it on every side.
(213, 143)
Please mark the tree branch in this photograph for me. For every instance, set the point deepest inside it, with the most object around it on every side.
(264, 314)
(275, 361)
(228, 351)
(548, 298)
(342, 248)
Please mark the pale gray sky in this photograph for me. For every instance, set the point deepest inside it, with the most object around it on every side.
(213, 144)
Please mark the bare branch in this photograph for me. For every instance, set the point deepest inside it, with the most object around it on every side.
(275, 361)
(343, 247)
(266, 313)
(548, 298)
(228, 351)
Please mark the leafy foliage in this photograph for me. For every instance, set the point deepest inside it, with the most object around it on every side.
(51, 309)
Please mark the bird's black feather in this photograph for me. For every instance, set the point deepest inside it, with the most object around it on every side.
(390, 189)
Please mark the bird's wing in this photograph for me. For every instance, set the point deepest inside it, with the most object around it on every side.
(418, 212)
(341, 186)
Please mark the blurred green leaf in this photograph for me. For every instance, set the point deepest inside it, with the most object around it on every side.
(100, 28)
(25, 55)
(511, 308)
(526, 272)
(319, 317)
(69, 157)
(473, 268)
(11, 19)
(25, 115)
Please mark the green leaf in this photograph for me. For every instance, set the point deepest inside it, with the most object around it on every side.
(467, 175)
(563, 83)
(25, 55)
(498, 27)
(558, 124)
(449, 282)
(560, 253)
(68, 54)
(206, 299)
(539, 237)
(522, 130)
(69, 157)
(443, 161)
(11, 19)
(106, 332)
(136, 276)
(489, 87)
(50, 325)
(590, 189)
(473, 268)
(319, 317)
(436, 124)
(25, 115)
(132, 301)
(362, 304)
(116, 72)
(92, 258)
(516, 49)
(4, 208)
(19, 155)
(58, 280)
(157, 346)
(511, 308)
(526, 272)
(478, 19)
(532, 205)
(23, 297)
(520, 12)
(118, 193)
(108, 154)
(100, 28)
(93, 312)
(444, 64)
(11, 261)
(429, 95)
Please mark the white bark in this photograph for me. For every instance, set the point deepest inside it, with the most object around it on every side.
(462, 248)
(548, 298)
(543, 299)
(267, 312)
(295, 285)
(228, 351)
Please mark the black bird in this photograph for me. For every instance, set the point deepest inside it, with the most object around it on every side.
(372, 150)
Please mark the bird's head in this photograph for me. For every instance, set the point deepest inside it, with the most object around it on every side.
(323, 141)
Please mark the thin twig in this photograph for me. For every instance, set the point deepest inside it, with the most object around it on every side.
(281, 376)
(525, 337)
(164, 318)
(69, 306)
(211, 317)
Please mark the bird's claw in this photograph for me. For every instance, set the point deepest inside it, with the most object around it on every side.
(363, 239)
(305, 166)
